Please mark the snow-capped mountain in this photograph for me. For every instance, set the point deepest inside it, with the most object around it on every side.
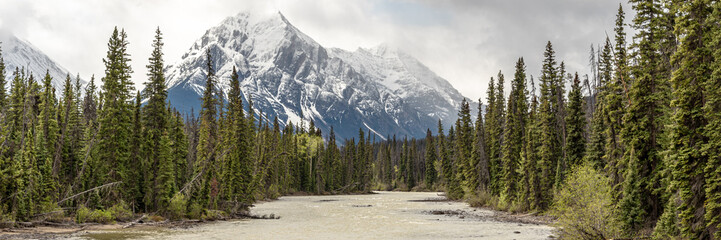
(19, 53)
(289, 75)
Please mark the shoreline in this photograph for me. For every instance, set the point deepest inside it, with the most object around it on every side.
(51, 230)
(44, 230)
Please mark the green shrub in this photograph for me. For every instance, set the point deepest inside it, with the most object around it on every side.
(82, 215)
(212, 215)
(454, 191)
(177, 206)
(584, 208)
(120, 211)
(273, 192)
(482, 199)
(195, 211)
(101, 216)
(52, 212)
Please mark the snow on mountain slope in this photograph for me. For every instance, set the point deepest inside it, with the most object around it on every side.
(19, 53)
(406, 77)
(290, 76)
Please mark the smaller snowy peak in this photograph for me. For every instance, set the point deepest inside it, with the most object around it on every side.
(385, 50)
(21, 54)
(398, 71)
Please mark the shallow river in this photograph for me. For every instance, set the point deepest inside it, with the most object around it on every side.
(386, 215)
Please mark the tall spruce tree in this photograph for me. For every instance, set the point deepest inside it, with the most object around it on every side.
(446, 165)
(67, 150)
(561, 128)
(114, 123)
(643, 124)
(136, 169)
(453, 187)
(595, 151)
(207, 139)
(530, 192)
(687, 158)
(514, 134)
(492, 137)
(155, 119)
(3, 94)
(712, 111)
(430, 160)
(46, 140)
(576, 125)
(239, 176)
(550, 149)
(614, 106)
(466, 174)
(479, 156)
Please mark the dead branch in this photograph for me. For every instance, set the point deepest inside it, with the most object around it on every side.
(107, 185)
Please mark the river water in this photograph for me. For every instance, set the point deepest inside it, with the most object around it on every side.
(385, 215)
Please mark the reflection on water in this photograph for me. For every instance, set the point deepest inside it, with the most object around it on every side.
(386, 215)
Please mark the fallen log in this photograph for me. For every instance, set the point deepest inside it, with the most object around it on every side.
(130, 224)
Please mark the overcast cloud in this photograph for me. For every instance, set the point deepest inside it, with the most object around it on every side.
(464, 41)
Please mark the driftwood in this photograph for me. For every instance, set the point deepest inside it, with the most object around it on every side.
(107, 185)
(345, 187)
(46, 213)
(251, 216)
(130, 224)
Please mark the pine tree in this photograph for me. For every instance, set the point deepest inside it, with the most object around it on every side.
(643, 125)
(410, 164)
(576, 125)
(446, 165)
(90, 104)
(614, 106)
(595, 151)
(239, 175)
(179, 147)
(337, 169)
(68, 147)
(712, 111)
(114, 122)
(466, 173)
(430, 160)
(561, 129)
(479, 157)
(155, 119)
(530, 193)
(91, 170)
(46, 140)
(514, 134)
(205, 164)
(27, 183)
(550, 148)
(491, 137)
(686, 157)
(3, 94)
(455, 190)
(136, 169)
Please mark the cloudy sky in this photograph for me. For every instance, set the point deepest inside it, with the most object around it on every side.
(464, 41)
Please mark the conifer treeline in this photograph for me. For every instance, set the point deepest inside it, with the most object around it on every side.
(106, 151)
(649, 121)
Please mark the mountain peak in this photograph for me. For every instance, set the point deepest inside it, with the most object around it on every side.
(254, 18)
(21, 54)
(385, 50)
(290, 76)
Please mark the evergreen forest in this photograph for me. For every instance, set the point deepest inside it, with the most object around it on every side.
(631, 149)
